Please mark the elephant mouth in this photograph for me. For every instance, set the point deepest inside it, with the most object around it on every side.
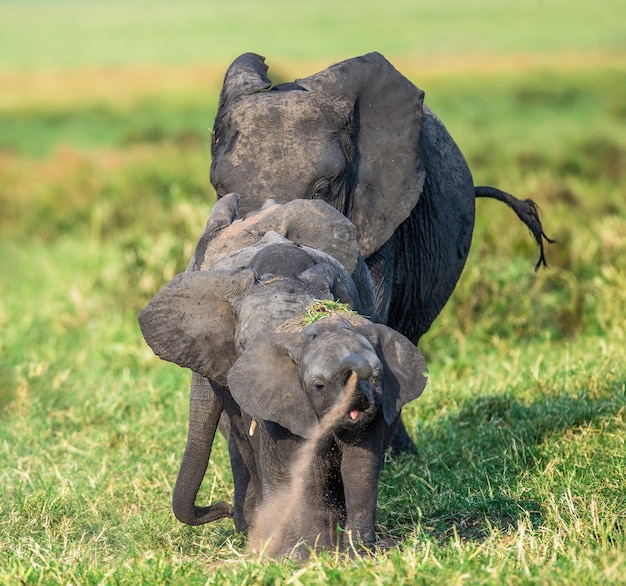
(360, 413)
(361, 404)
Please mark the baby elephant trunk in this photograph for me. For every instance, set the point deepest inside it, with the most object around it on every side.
(357, 374)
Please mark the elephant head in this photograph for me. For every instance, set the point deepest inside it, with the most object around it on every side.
(310, 223)
(348, 135)
(251, 274)
(295, 378)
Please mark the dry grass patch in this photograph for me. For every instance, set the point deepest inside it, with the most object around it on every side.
(125, 85)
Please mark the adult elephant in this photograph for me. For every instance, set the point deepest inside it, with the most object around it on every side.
(358, 136)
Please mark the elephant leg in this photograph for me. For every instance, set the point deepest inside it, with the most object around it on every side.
(360, 468)
(401, 442)
(244, 498)
(204, 414)
(242, 460)
(301, 490)
(224, 425)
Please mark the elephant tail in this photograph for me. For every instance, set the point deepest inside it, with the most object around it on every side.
(526, 211)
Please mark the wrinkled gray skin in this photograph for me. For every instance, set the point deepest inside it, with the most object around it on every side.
(246, 279)
(358, 136)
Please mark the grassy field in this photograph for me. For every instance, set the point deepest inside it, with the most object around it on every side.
(104, 157)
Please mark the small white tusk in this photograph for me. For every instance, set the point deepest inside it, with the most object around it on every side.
(253, 425)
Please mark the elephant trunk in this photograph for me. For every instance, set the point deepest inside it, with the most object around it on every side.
(357, 374)
(205, 411)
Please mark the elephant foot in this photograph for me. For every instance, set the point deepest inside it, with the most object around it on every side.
(366, 548)
(357, 545)
(386, 544)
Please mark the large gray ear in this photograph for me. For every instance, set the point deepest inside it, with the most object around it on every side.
(388, 116)
(405, 372)
(191, 323)
(246, 75)
(265, 382)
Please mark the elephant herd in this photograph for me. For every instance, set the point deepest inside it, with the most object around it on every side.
(344, 218)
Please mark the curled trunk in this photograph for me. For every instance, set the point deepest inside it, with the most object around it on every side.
(204, 415)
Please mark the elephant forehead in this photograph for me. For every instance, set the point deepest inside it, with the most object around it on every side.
(328, 349)
(277, 145)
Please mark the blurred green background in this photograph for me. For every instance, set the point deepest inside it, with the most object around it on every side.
(72, 33)
(106, 110)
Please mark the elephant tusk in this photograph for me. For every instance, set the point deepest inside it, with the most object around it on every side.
(253, 426)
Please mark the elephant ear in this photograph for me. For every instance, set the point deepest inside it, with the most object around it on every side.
(246, 75)
(404, 368)
(265, 382)
(388, 119)
(191, 323)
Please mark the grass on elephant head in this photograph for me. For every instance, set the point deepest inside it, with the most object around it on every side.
(522, 427)
(322, 308)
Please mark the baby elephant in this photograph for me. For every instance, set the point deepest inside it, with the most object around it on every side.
(327, 398)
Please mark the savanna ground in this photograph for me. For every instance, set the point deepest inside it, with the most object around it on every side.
(104, 190)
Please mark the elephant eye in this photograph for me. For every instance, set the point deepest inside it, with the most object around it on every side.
(321, 189)
(319, 385)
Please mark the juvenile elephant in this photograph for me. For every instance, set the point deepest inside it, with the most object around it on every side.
(244, 281)
(358, 136)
